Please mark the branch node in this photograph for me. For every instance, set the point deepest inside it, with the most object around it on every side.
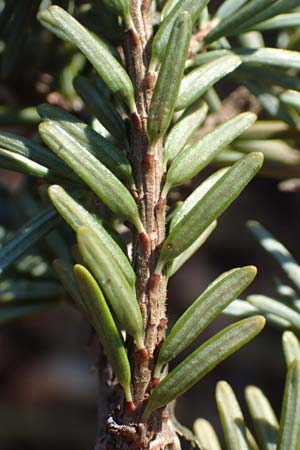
(130, 406)
(154, 282)
(136, 120)
(143, 352)
(160, 205)
(149, 162)
(145, 241)
(163, 323)
(134, 36)
(135, 194)
(150, 80)
(155, 382)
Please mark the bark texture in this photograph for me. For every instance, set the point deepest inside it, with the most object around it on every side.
(121, 429)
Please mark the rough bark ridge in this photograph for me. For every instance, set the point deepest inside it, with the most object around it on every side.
(124, 429)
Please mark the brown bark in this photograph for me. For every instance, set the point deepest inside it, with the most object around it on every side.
(124, 429)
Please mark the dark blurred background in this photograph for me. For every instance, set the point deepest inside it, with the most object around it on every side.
(47, 382)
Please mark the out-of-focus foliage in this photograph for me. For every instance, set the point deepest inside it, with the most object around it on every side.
(284, 310)
(270, 433)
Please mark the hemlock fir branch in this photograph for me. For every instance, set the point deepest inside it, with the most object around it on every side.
(147, 75)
